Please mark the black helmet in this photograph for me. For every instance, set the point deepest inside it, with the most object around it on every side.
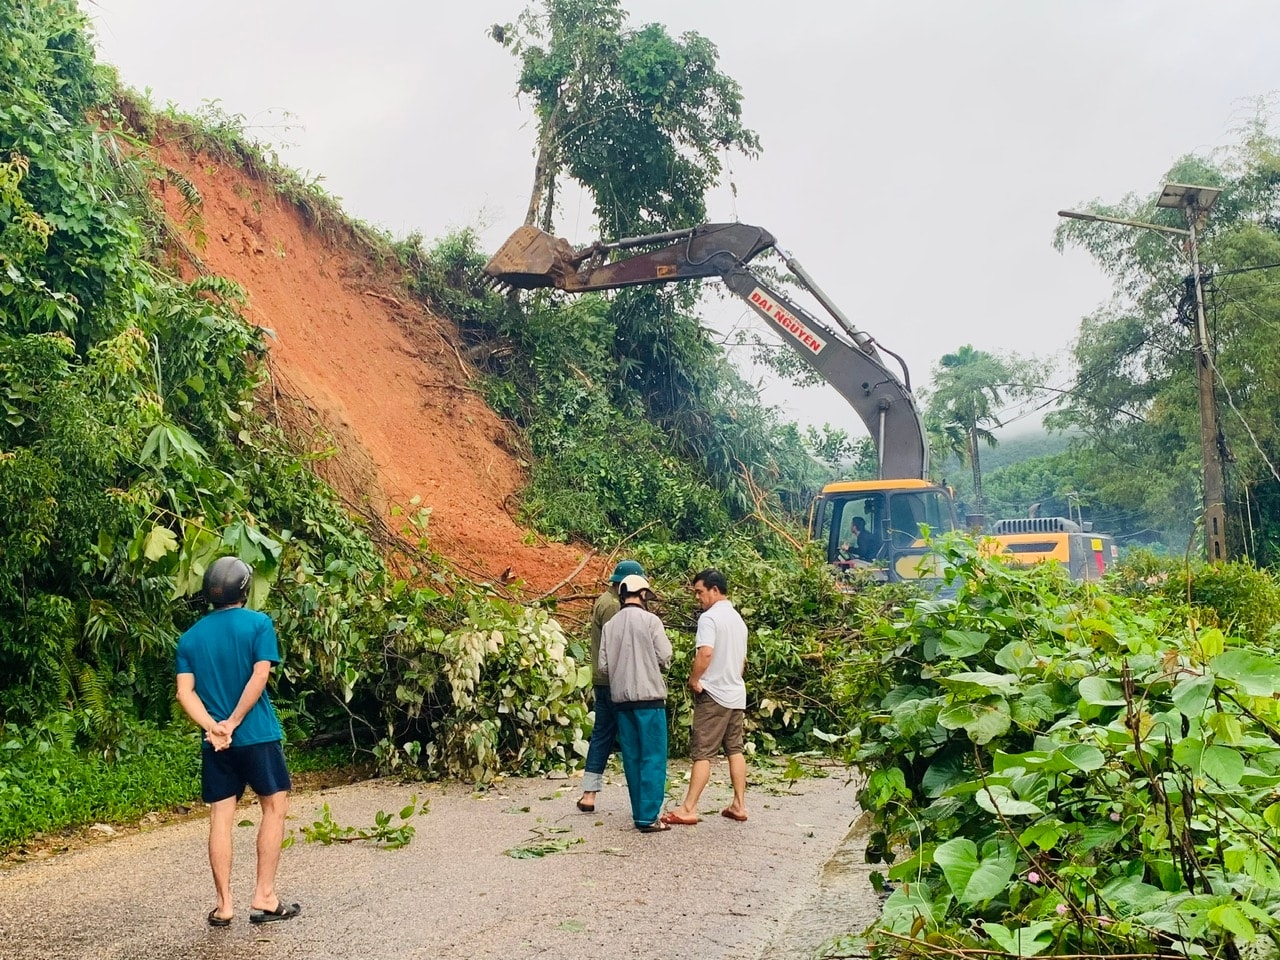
(226, 582)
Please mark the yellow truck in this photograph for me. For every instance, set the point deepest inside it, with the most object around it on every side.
(1026, 541)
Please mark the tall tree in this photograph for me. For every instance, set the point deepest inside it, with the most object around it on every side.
(969, 388)
(642, 121)
(640, 118)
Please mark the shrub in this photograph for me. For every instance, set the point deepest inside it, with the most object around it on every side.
(1069, 771)
(47, 784)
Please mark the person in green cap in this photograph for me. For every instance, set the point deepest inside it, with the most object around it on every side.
(604, 734)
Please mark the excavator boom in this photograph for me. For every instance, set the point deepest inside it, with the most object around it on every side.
(531, 258)
(845, 357)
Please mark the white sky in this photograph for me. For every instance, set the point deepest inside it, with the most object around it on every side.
(915, 151)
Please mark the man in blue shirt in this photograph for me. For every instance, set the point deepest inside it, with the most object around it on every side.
(223, 664)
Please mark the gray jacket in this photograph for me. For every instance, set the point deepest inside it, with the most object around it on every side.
(634, 652)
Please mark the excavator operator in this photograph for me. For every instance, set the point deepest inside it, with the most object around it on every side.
(861, 545)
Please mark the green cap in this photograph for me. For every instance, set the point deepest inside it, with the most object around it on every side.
(625, 568)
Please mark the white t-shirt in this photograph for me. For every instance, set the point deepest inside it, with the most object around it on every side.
(723, 630)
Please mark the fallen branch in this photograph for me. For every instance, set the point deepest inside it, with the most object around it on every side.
(386, 298)
(569, 579)
(763, 513)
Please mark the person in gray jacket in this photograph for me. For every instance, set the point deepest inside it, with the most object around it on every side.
(634, 652)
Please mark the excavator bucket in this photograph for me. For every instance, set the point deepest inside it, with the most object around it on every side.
(531, 258)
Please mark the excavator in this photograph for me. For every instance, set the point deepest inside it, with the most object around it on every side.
(874, 525)
(878, 526)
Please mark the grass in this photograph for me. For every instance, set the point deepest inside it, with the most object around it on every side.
(48, 785)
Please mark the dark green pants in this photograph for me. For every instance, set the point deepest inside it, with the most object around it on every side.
(642, 734)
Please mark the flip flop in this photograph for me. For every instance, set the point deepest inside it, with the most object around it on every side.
(674, 818)
(740, 817)
(586, 807)
(656, 827)
(217, 921)
(281, 912)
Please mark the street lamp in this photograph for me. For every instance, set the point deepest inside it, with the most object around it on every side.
(1195, 203)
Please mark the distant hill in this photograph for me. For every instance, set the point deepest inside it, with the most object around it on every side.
(1010, 450)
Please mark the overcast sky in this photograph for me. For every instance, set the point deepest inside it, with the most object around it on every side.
(915, 151)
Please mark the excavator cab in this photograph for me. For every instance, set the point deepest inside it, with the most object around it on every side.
(879, 526)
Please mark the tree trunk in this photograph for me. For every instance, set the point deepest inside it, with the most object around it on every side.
(979, 500)
(545, 169)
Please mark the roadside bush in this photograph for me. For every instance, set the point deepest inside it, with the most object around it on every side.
(47, 784)
(1068, 771)
(505, 692)
(1238, 597)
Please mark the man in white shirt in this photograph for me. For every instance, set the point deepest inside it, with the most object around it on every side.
(720, 698)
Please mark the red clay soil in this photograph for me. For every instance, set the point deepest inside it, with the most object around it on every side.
(359, 365)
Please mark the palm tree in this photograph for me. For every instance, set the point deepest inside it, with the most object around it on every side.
(967, 390)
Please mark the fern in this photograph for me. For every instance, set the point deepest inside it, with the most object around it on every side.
(191, 206)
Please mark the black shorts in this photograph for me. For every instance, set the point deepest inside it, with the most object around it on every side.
(225, 773)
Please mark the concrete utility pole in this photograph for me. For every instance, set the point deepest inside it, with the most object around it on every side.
(1195, 203)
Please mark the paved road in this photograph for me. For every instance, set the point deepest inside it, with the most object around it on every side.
(775, 886)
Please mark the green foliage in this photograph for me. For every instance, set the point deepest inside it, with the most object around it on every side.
(133, 450)
(639, 118)
(449, 276)
(46, 784)
(388, 832)
(1069, 771)
(504, 691)
(570, 378)
(543, 845)
(1238, 598)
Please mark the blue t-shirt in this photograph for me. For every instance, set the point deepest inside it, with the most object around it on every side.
(220, 650)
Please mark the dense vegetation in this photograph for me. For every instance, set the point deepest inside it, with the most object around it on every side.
(1055, 769)
(1134, 398)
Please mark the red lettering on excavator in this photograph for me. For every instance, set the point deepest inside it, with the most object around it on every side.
(787, 321)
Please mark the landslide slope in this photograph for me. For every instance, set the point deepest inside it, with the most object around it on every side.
(362, 368)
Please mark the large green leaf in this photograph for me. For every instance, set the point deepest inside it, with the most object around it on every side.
(1256, 675)
(978, 683)
(1028, 941)
(1256, 864)
(1076, 756)
(975, 879)
(914, 717)
(1101, 692)
(909, 904)
(963, 643)
(1016, 656)
(1001, 801)
(1036, 705)
(1191, 695)
(947, 769)
(1223, 766)
(160, 542)
(983, 721)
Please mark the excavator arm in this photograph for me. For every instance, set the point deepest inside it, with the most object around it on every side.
(844, 356)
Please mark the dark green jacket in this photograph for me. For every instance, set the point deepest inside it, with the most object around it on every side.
(606, 605)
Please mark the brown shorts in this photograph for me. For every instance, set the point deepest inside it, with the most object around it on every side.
(714, 726)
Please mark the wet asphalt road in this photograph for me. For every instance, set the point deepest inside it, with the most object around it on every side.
(774, 887)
